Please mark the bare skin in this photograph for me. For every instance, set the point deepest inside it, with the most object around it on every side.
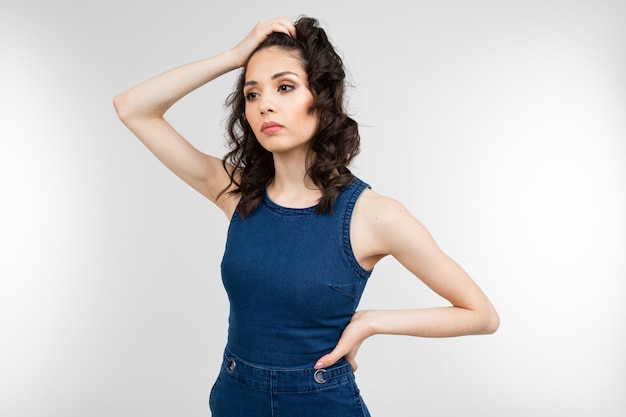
(277, 97)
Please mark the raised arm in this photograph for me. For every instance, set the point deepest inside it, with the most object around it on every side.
(142, 109)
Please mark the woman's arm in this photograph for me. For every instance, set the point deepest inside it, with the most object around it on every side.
(383, 226)
(142, 110)
(142, 107)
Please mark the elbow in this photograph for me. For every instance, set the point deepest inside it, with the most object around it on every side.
(125, 108)
(491, 322)
(120, 106)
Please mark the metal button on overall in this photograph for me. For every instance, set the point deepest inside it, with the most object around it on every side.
(319, 377)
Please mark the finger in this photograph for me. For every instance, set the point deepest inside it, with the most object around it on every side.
(286, 26)
(291, 27)
(328, 360)
(332, 358)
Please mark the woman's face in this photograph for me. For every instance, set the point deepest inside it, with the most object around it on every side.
(278, 100)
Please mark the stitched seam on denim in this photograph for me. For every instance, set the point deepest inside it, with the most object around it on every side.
(342, 291)
(272, 394)
(289, 211)
(358, 188)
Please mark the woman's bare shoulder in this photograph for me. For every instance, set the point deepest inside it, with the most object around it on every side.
(377, 222)
(378, 208)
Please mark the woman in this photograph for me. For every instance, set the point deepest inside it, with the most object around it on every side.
(304, 233)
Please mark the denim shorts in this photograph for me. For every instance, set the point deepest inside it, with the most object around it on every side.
(246, 390)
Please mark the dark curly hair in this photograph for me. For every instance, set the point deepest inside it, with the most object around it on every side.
(333, 146)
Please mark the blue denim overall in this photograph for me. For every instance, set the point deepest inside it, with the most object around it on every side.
(293, 284)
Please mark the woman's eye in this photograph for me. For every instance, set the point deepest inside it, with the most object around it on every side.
(285, 87)
(251, 96)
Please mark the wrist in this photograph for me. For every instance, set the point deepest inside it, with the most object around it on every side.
(234, 56)
(367, 320)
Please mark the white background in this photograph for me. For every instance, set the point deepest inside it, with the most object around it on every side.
(501, 125)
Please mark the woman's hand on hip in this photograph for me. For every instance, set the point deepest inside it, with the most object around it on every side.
(350, 341)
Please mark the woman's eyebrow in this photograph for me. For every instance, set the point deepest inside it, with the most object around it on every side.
(277, 75)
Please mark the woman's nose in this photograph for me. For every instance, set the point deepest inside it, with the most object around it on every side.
(266, 105)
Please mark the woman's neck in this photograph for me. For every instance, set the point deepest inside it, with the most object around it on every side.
(291, 186)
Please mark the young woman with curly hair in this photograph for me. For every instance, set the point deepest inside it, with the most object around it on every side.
(304, 234)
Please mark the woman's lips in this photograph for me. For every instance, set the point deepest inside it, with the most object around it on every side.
(271, 127)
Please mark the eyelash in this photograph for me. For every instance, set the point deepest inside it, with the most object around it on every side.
(289, 87)
(281, 88)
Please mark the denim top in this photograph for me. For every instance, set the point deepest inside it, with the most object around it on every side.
(292, 280)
